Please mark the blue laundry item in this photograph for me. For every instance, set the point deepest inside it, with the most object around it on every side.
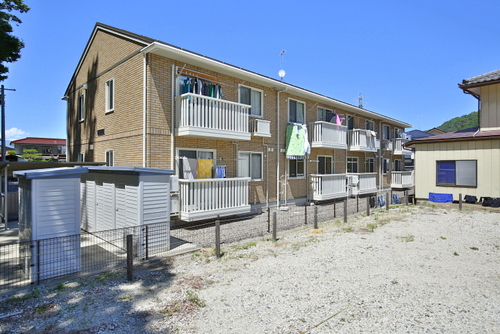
(381, 200)
(440, 198)
(395, 199)
(220, 172)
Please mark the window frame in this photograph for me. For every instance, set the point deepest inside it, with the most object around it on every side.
(252, 89)
(396, 167)
(80, 108)
(296, 162)
(348, 119)
(250, 167)
(332, 168)
(81, 157)
(303, 111)
(386, 166)
(321, 112)
(107, 154)
(455, 171)
(386, 134)
(372, 127)
(197, 150)
(110, 95)
(370, 162)
(352, 161)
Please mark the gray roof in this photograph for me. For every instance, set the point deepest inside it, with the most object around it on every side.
(483, 78)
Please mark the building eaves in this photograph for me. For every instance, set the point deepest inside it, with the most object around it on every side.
(461, 135)
(481, 80)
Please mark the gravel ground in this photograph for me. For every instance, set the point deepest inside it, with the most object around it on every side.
(427, 269)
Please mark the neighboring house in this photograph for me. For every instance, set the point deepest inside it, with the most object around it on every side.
(48, 147)
(435, 131)
(235, 139)
(466, 161)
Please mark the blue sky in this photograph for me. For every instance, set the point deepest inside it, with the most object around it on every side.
(406, 57)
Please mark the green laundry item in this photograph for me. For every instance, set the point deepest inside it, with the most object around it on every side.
(295, 142)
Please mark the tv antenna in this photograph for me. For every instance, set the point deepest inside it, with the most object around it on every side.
(281, 73)
(360, 99)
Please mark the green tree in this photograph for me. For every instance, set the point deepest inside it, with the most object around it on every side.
(32, 155)
(461, 122)
(10, 46)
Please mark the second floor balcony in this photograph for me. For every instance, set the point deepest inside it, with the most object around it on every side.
(362, 140)
(208, 117)
(399, 148)
(328, 135)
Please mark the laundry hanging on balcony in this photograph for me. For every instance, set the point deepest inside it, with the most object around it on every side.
(297, 143)
(189, 168)
(205, 167)
(201, 87)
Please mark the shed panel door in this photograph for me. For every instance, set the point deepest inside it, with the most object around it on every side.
(90, 203)
(105, 200)
(57, 207)
(126, 201)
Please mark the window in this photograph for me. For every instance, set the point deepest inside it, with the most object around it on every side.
(81, 157)
(370, 125)
(386, 164)
(325, 165)
(456, 173)
(386, 132)
(370, 165)
(296, 168)
(250, 165)
(397, 165)
(81, 107)
(110, 95)
(325, 115)
(196, 164)
(296, 112)
(110, 158)
(397, 133)
(252, 97)
(350, 122)
(352, 165)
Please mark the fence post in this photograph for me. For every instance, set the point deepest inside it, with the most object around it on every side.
(345, 210)
(147, 243)
(268, 219)
(334, 209)
(315, 217)
(406, 197)
(460, 201)
(38, 266)
(386, 201)
(305, 212)
(368, 206)
(217, 238)
(274, 226)
(130, 258)
(357, 203)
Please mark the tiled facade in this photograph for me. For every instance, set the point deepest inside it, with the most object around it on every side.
(141, 130)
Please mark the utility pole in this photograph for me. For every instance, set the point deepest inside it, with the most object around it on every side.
(2, 102)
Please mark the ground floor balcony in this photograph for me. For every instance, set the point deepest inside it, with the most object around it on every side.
(402, 179)
(208, 198)
(361, 183)
(328, 135)
(362, 140)
(399, 148)
(327, 186)
(207, 117)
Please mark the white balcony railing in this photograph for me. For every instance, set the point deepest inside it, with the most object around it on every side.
(362, 140)
(399, 149)
(207, 117)
(402, 179)
(362, 183)
(208, 198)
(327, 186)
(387, 145)
(328, 135)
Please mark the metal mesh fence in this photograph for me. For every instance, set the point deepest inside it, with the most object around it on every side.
(25, 263)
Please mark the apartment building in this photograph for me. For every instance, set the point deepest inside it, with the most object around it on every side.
(237, 140)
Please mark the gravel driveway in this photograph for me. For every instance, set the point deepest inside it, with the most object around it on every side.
(418, 269)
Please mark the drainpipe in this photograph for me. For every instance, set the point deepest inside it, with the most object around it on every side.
(172, 121)
(267, 168)
(380, 158)
(278, 147)
(144, 110)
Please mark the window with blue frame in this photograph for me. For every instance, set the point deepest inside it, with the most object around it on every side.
(456, 173)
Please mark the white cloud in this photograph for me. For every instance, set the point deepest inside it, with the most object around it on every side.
(14, 134)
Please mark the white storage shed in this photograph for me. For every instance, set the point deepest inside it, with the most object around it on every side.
(121, 197)
(49, 216)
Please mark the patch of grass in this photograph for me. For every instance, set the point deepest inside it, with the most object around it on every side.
(71, 308)
(35, 293)
(371, 226)
(455, 253)
(348, 229)
(104, 276)
(407, 238)
(125, 297)
(394, 281)
(474, 248)
(61, 287)
(193, 298)
(444, 238)
(41, 309)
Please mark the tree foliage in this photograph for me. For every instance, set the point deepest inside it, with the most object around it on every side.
(461, 122)
(32, 155)
(10, 46)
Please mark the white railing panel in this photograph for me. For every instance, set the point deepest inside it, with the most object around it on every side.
(213, 194)
(358, 139)
(328, 134)
(399, 148)
(402, 179)
(328, 186)
(210, 113)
